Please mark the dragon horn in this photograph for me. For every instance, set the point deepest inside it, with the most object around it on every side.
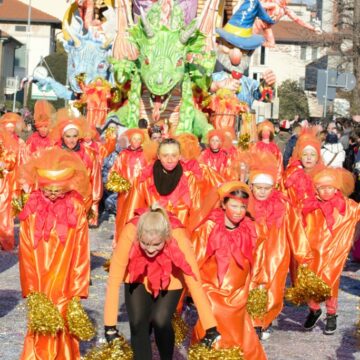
(76, 40)
(187, 33)
(147, 27)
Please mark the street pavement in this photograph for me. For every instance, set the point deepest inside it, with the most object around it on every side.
(287, 342)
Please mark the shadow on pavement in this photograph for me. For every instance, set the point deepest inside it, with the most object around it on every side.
(349, 345)
(8, 301)
(7, 260)
(97, 261)
(350, 285)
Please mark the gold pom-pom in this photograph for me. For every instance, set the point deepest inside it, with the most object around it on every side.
(201, 352)
(308, 286)
(43, 316)
(110, 132)
(106, 265)
(117, 183)
(180, 327)
(117, 349)
(19, 203)
(244, 141)
(78, 321)
(256, 304)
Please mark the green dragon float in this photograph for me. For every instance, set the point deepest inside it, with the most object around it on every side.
(164, 61)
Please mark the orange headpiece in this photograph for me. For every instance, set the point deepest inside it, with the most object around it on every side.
(43, 113)
(339, 178)
(57, 168)
(8, 142)
(12, 119)
(306, 139)
(131, 132)
(263, 168)
(66, 120)
(189, 144)
(216, 132)
(266, 125)
(227, 188)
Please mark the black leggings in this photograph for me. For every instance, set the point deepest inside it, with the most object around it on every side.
(146, 312)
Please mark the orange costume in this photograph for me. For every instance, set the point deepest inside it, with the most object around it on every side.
(54, 253)
(128, 164)
(43, 113)
(330, 226)
(270, 146)
(8, 158)
(225, 259)
(182, 201)
(123, 269)
(88, 156)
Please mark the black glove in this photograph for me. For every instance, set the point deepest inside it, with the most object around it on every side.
(211, 336)
(111, 333)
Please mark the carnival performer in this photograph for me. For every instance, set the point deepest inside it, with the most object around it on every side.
(68, 133)
(43, 116)
(8, 161)
(266, 133)
(155, 260)
(54, 253)
(166, 182)
(279, 229)
(128, 165)
(306, 158)
(215, 156)
(330, 220)
(224, 245)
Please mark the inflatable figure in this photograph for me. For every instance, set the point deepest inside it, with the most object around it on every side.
(164, 59)
(277, 9)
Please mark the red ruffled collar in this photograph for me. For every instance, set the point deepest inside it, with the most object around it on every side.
(37, 142)
(225, 244)
(327, 207)
(60, 213)
(159, 268)
(301, 181)
(270, 147)
(271, 211)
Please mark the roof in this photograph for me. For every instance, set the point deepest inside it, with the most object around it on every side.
(288, 32)
(16, 11)
(5, 36)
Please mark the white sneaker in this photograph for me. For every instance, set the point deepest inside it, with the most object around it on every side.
(265, 334)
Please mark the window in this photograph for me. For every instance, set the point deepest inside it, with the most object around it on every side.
(303, 53)
(262, 56)
(255, 76)
(20, 28)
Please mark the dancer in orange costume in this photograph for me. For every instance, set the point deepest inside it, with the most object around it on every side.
(128, 164)
(266, 142)
(68, 133)
(297, 181)
(166, 182)
(330, 221)
(43, 116)
(224, 245)
(54, 253)
(279, 229)
(154, 259)
(8, 157)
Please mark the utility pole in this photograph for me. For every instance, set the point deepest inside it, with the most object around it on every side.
(28, 37)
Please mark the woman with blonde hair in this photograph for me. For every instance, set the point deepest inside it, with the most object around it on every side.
(154, 259)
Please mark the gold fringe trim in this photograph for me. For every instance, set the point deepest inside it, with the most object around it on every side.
(117, 183)
(78, 321)
(308, 286)
(180, 327)
(43, 316)
(117, 349)
(19, 203)
(256, 304)
(201, 352)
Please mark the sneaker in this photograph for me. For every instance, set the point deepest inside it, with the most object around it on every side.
(265, 334)
(312, 319)
(330, 326)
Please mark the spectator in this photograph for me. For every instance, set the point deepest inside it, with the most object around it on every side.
(332, 152)
(284, 135)
(289, 147)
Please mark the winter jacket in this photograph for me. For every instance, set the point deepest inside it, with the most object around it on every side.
(328, 152)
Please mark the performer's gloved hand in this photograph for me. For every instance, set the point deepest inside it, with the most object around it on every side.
(211, 336)
(111, 333)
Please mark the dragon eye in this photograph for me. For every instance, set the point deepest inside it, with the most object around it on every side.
(179, 62)
(147, 61)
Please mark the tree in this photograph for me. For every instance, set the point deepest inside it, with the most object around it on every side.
(293, 100)
(57, 63)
